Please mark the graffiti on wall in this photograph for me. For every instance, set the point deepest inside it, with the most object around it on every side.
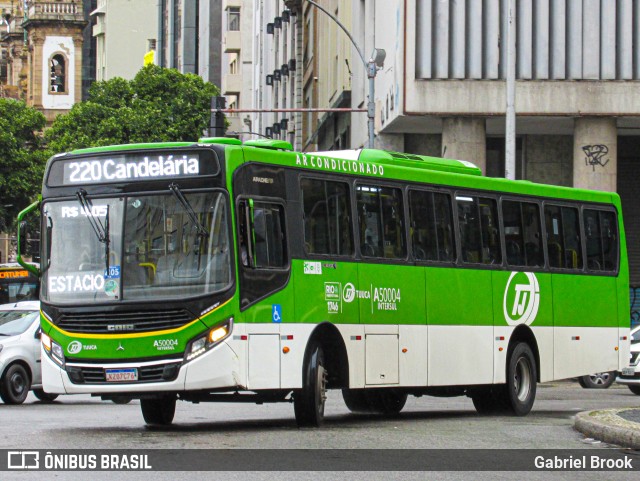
(595, 155)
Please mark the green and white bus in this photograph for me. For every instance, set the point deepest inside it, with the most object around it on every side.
(217, 271)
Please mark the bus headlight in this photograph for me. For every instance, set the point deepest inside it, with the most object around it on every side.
(209, 339)
(53, 349)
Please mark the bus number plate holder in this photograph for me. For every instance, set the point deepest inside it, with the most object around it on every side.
(121, 375)
(628, 371)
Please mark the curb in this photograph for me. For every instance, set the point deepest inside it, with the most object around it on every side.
(607, 426)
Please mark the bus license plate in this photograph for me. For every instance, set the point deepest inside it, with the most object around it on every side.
(121, 375)
(628, 371)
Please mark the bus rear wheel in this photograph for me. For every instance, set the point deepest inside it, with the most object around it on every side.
(158, 411)
(381, 401)
(488, 401)
(308, 403)
(520, 392)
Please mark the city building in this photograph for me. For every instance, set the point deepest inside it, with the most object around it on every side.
(237, 64)
(190, 36)
(43, 53)
(119, 27)
(277, 79)
(329, 71)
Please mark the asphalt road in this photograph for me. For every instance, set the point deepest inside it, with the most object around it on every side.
(82, 422)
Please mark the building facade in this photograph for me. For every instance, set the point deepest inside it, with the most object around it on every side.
(123, 37)
(190, 37)
(46, 60)
(237, 62)
(276, 83)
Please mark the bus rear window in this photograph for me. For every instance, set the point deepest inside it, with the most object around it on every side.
(601, 234)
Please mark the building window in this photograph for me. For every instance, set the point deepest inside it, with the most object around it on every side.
(233, 66)
(233, 19)
(58, 79)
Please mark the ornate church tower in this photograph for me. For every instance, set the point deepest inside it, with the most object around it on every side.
(53, 33)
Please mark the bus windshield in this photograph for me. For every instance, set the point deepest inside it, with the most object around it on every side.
(138, 247)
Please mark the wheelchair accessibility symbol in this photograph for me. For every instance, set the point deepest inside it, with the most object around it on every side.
(276, 313)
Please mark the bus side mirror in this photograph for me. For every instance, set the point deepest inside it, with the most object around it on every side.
(23, 234)
(22, 238)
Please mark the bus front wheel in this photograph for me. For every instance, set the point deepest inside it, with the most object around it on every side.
(43, 396)
(158, 411)
(308, 403)
(522, 375)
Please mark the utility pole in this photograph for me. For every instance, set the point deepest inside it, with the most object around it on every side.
(375, 63)
(216, 123)
(510, 124)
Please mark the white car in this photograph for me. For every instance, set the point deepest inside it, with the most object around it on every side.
(20, 369)
(630, 376)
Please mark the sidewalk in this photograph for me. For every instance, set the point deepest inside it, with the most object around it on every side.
(615, 426)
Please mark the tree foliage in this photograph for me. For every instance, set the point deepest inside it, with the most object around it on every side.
(22, 158)
(158, 105)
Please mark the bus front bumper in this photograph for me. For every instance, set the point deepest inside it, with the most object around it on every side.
(218, 368)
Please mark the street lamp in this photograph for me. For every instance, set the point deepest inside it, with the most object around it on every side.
(375, 63)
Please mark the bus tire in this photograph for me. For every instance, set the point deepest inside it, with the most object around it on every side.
(487, 402)
(15, 384)
(520, 392)
(308, 402)
(43, 396)
(158, 411)
(599, 380)
(121, 399)
(634, 389)
(356, 400)
(387, 401)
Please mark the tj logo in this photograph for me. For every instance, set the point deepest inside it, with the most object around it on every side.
(521, 298)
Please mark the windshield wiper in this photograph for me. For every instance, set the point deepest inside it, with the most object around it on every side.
(175, 190)
(101, 231)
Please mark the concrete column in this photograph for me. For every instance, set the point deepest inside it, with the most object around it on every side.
(393, 142)
(595, 154)
(464, 138)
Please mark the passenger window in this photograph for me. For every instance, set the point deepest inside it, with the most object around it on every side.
(601, 240)
(431, 226)
(327, 220)
(563, 237)
(479, 237)
(262, 235)
(522, 234)
(380, 222)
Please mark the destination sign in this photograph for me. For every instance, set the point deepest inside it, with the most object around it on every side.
(13, 274)
(124, 167)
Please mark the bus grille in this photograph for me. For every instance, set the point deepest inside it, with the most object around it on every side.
(96, 375)
(124, 322)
